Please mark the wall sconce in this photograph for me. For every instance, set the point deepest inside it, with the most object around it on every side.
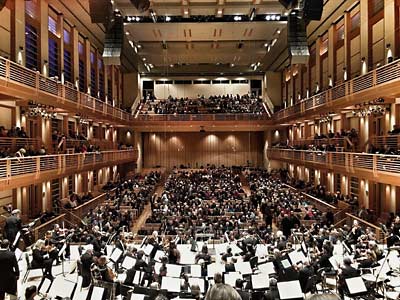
(344, 74)
(19, 56)
(389, 54)
(330, 81)
(364, 68)
(77, 83)
(88, 89)
(307, 93)
(44, 68)
(316, 87)
(62, 77)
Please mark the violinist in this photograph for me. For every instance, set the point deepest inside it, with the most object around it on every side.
(42, 259)
(51, 246)
(100, 271)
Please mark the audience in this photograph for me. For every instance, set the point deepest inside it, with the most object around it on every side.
(201, 105)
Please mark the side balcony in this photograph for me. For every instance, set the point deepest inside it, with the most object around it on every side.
(380, 82)
(31, 170)
(377, 167)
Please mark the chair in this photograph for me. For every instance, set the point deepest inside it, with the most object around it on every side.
(253, 262)
(311, 286)
(29, 268)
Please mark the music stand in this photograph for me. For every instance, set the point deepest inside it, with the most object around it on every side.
(171, 284)
(96, 293)
(356, 286)
(116, 255)
(128, 262)
(290, 290)
(44, 286)
(62, 288)
(259, 282)
(60, 253)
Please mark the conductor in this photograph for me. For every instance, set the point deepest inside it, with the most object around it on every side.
(13, 225)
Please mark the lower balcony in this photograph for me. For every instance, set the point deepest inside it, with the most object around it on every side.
(377, 167)
(35, 169)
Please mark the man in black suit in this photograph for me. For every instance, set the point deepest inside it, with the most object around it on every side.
(239, 288)
(306, 271)
(12, 226)
(347, 271)
(86, 263)
(9, 271)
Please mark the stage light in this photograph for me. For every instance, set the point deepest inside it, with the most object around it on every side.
(167, 18)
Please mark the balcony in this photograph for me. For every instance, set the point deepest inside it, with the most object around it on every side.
(30, 170)
(377, 167)
(18, 82)
(16, 143)
(353, 91)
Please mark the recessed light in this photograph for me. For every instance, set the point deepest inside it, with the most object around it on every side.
(139, 46)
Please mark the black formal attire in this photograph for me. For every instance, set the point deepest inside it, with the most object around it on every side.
(41, 259)
(86, 262)
(11, 228)
(304, 275)
(9, 273)
(347, 272)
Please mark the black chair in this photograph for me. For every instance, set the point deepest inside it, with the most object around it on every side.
(253, 261)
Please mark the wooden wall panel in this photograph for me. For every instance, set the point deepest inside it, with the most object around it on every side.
(378, 44)
(5, 35)
(171, 149)
(355, 59)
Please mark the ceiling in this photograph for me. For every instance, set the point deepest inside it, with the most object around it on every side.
(210, 47)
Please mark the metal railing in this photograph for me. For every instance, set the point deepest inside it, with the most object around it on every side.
(15, 166)
(373, 78)
(39, 231)
(13, 72)
(390, 141)
(103, 144)
(372, 162)
(340, 142)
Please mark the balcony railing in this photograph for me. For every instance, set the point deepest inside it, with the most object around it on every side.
(319, 142)
(10, 167)
(13, 72)
(203, 117)
(373, 78)
(372, 162)
(14, 144)
(390, 141)
(103, 144)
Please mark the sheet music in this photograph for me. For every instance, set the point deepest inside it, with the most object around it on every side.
(159, 254)
(267, 268)
(200, 282)
(45, 286)
(290, 290)
(243, 267)
(116, 254)
(137, 278)
(138, 296)
(147, 250)
(97, 293)
(171, 284)
(356, 285)
(128, 262)
(174, 270)
(261, 250)
(157, 267)
(230, 278)
(109, 250)
(285, 263)
(18, 253)
(259, 281)
(195, 271)
(214, 268)
(62, 288)
(297, 256)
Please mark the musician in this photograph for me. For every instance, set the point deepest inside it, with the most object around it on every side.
(9, 271)
(203, 255)
(51, 247)
(174, 255)
(100, 271)
(86, 262)
(305, 272)
(347, 271)
(221, 291)
(59, 238)
(30, 292)
(140, 265)
(354, 234)
(239, 288)
(13, 225)
(121, 243)
(42, 259)
(273, 292)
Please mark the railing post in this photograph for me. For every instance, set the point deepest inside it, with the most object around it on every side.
(374, 164)
(8, 66)
(374, 81)
(8, 168)
(37, 79)
(38, 164)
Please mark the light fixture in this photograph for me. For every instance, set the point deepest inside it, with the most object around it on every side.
(268, 18)
(129, 18)
(252, 14)
(237, 18)
(137, 19)
(167, 18)
(127, 32)
(144, 58)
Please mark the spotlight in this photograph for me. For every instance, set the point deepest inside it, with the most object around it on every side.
(237, 18)
(268, 17)
(137, 19)
(167, 18)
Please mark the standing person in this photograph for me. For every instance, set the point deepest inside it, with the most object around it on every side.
(86, 261)
(13, 225)
(9, 274)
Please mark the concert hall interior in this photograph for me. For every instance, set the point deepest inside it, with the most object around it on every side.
(200, 149)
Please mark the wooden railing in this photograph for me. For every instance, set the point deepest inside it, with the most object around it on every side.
(39, 231)
(349, 219)
(203, 117)
(13, 72)
(82, 210)
(373, 78)
(10, 167)
(372, 162)
(390, 141)
(103, 144)
(16, 143)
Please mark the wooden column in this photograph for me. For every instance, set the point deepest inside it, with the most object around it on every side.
(75, 54)
(364, 33)
(318, 75)
(390, 27)
(87, 63)
(18, 31)
(332, 53)
(347, 50)
(44, 36)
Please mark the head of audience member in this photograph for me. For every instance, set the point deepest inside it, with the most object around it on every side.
(30, 292)
(5, 244)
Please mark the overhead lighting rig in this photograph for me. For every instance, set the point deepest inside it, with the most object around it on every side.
(153, 18)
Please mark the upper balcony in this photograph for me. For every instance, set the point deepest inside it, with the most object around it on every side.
(378, 167)
(357, 90)
(30, 170)
(190, 115)
(18, 82)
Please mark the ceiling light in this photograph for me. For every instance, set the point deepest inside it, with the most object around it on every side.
(139, 46)
(167, 18)
(278, 17)
(129, 19)
(273, 17)
(137, 19)
(268, 17)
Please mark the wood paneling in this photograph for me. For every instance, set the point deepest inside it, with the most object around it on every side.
(171, 149)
